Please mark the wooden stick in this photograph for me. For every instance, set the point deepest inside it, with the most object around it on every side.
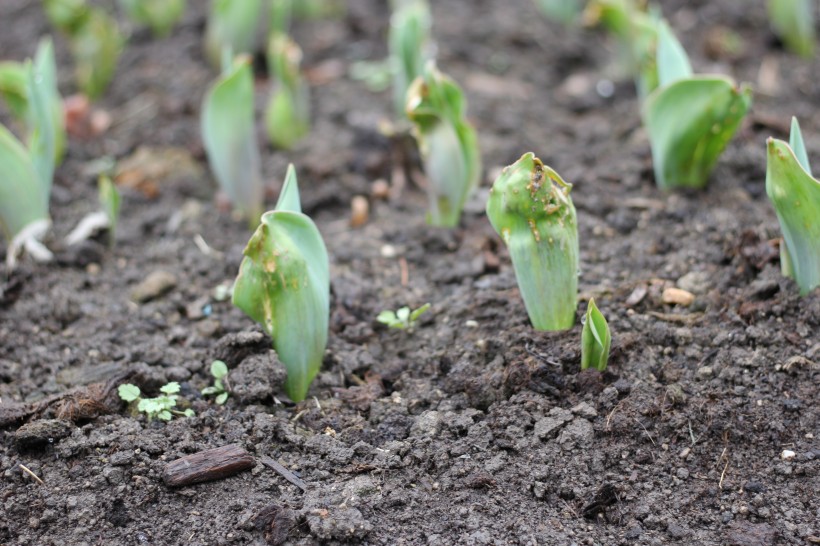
(208, 465)
(284, 472)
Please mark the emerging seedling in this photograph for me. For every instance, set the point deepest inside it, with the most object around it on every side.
(447, 142)
(161, 407)
(690, 119)
(287, 116)
(795, 194)
(284, 284)
(403, 318)
(530, 207)
(595, 339)
(231, 25)
(409, 43)
(230, 139)
(160, 15)
(219, 371)
(94, 39)
(793, 21)
(104, 219)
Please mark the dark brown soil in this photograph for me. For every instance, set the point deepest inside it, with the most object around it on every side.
(472, 429)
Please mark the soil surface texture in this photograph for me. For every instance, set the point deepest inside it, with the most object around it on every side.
(472, 428)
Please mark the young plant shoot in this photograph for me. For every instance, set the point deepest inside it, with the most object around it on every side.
(690, 119)
(595, 339)
(287, 117)
(103, 219)
(160, 15)
(219, 371)
(795, 194)
(25, 187)
(162, 407)
(403, 318)
(284, 285)
(793, 21)
(409, 44)
(530, 207)
(231, 25)
(447, 142)
(94, 39)
(230, 139)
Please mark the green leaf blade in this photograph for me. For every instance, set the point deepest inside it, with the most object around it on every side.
(673, 62)
(22, 200)
(596, 339)
(795, 196)
(798, 146)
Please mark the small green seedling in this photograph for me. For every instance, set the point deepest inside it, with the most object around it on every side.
(284, 285)
(403, 318)
(25, 186)
(795, 194)
(159, 15)
(793, 21)
(104, 219)
(231, 25)
(229, 136)
(219, 371)
(447, 142)
(530, 207)
(161, 407)
(565, 12)
(595, 339)
(690, 119)
(287, 116)
(94, 39)
(410, 47)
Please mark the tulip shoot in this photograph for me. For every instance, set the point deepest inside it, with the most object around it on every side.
(160, 15)
(287, 116)
(690, 119)
(409, 44)
(284, 285)
(595, 339)
(793, 21)
(447, 142)
(229, 137)
(530, 207)
(795, 194)
(231, 24)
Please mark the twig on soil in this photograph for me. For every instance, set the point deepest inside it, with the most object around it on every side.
(646, 431)
(205, 248)
(676, 317)
(284, 472)
(32, 474)
(405, 274)
(723, 474)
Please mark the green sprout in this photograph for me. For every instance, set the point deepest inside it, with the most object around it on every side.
(284, 284)
(595, 339)
(530, 207)
(409, 44)
(229, 136)
(160, 15)
(104, 218)
(231, 25)
(793, 22)
(161, 407)
(565, 12)
(447, 142)
(795, 194)
(219, 371)
(403, 318)
(94, 39)
(690, 119)
(28, 173)
(287, 116)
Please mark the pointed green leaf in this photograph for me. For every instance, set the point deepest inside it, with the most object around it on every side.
(284, 285)
(110, 202)
(793, 21)
(795, 195)
(409, 43)
(447, 142)
(419, 312)
(287, 116)
(96, 46)
(229, 136)
(595, 339)
(798, 146)
(22, 201)
(673, 62)
(128, 392)
(231, 24)
(530, 207)
(45, 69)
(13, 82)
(689, 123)
(289, 196)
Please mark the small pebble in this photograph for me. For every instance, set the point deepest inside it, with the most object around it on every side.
(359, 211)
(471, 324)
(153, 286)
(380, 189)
(787, 455)
(388, 251)
(676, 296)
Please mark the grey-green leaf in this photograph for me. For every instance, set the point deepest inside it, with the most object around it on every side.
(595, 339)
(798, 146)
